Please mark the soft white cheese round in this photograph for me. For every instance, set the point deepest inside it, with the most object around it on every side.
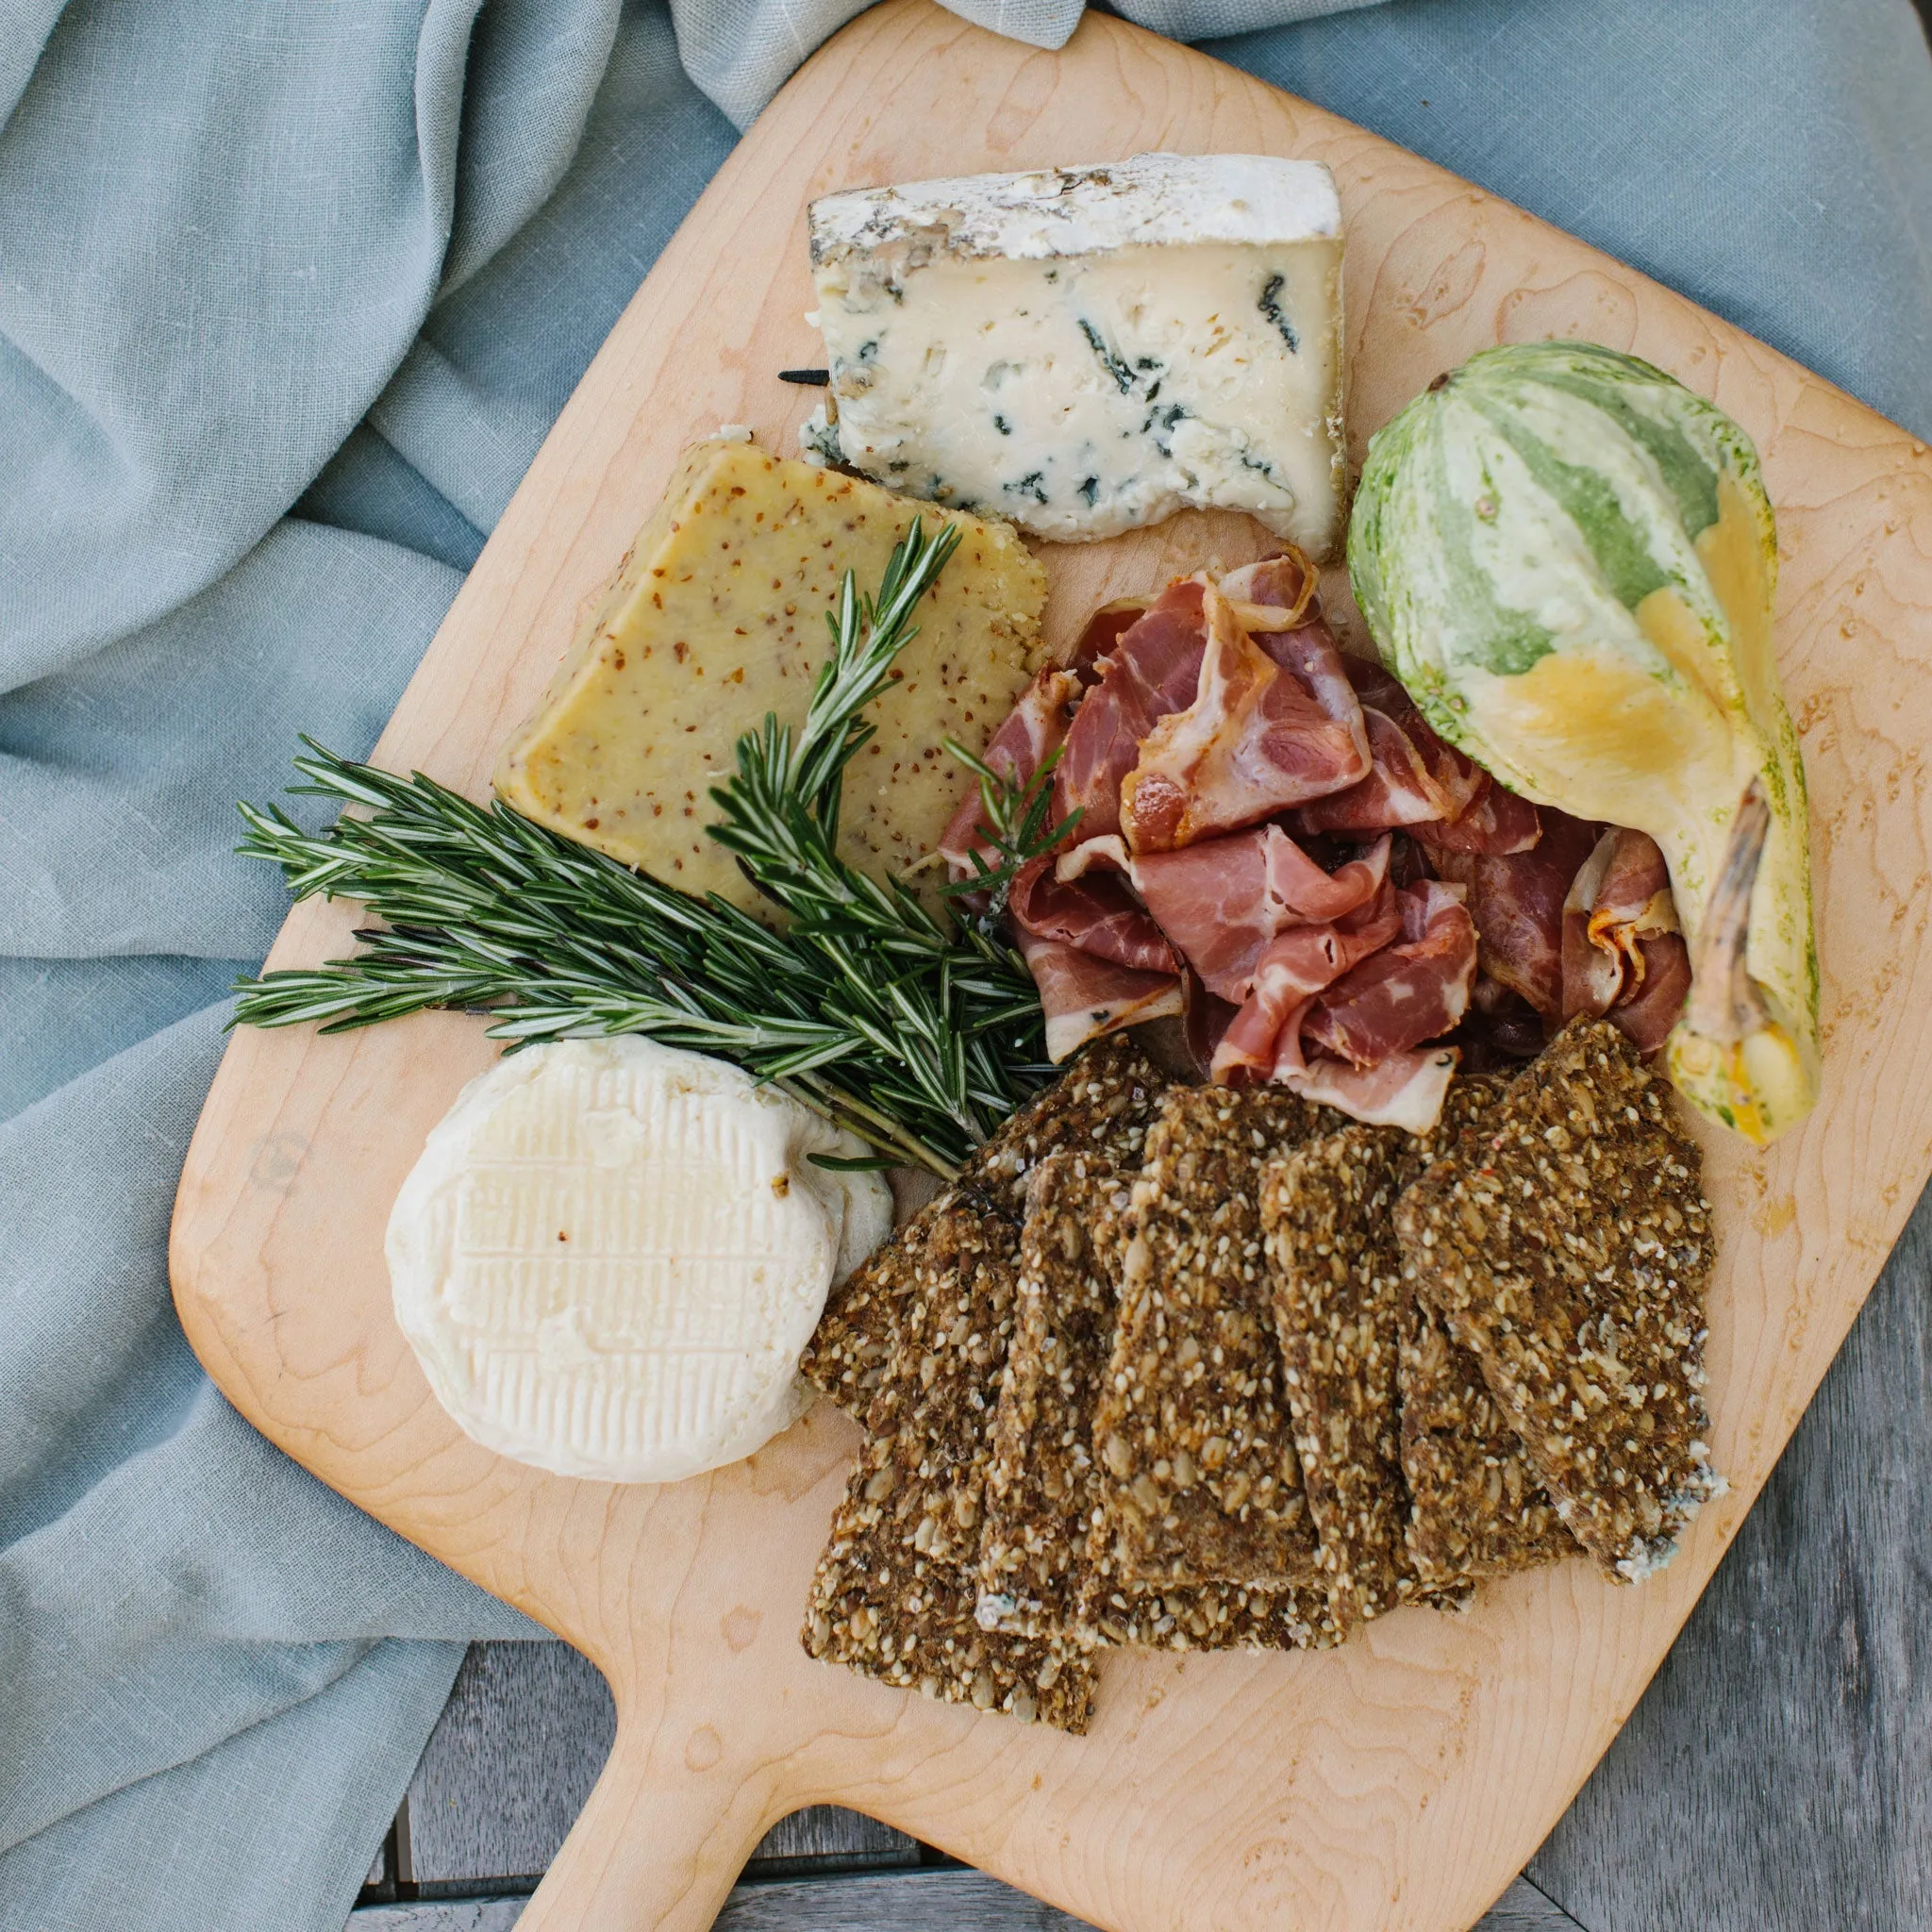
(611, 1253)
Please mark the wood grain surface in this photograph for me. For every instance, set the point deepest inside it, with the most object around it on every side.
(512, 1758)
(516, 1754)
(1399, 1782)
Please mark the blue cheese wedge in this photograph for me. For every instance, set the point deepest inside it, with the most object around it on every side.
(611, 1252)
(1087, 350)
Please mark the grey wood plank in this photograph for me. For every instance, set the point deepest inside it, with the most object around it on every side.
(442, 1915)
(507, 1768)
(879, 1902)
(1524, 1908)
(1777, 1775)
(514, 1755)
(823, 1835)
(950, 1898)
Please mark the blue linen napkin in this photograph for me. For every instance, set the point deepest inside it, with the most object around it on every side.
(288, 299)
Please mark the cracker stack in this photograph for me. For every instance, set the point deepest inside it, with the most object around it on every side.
(1203, 1369)
(1041, 1570)
(915, 1343)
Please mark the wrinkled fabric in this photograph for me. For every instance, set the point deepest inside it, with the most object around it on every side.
(288, 298)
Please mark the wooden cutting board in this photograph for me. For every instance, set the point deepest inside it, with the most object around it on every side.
(1398, 1782)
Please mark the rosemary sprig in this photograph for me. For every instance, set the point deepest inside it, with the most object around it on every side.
(917, 1038)
(1012, 821)
(779, 810)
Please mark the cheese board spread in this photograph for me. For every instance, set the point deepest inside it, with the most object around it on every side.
(1318, 1028)
(1205, 810)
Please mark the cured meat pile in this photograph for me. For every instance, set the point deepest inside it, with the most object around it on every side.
(1272, 843)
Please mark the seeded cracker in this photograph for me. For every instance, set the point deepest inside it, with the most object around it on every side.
(1102, 1103)
(845, 1359)
(929, 1429)
(1567, 1241)
(1198, 1474)
(1477, 1507)
(1338, 1306)
(1035, 1572)
(1209, 1616)
(1469, 1100)
(1040, 1487)
(881, 1608)
(894, 1595)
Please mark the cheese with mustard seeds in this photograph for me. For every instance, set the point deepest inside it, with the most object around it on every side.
(717, 616)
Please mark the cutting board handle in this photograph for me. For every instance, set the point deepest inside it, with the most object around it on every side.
(659, 1847)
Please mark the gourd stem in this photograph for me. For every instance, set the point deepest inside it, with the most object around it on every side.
(1726, 1004)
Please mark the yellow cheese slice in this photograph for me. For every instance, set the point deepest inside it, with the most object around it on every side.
(717, 616)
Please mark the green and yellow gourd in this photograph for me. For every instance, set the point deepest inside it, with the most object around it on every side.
(1569, 558)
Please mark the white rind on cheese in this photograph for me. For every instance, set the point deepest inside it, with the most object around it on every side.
(1088, 350)
(611, 1252)
(1157, 199)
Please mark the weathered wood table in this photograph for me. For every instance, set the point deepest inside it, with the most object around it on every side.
(1777, 1777)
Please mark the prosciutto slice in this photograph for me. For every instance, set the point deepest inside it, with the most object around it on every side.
(1414, 778)
(1405, 993)
(1405, 1090)
(1292, 969)
(1224, 901)
(1152, 670)
(1032, 732)
(1095, 911)
(1104, 629)
(1277, 593)
(1204, 1020)
(1082, 996)
(1516, 899)
(1267, 729)
(1621, 952)
(1655, 1002)
(1498, 824)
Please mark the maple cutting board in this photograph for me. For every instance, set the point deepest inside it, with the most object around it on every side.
(1401, 1781)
